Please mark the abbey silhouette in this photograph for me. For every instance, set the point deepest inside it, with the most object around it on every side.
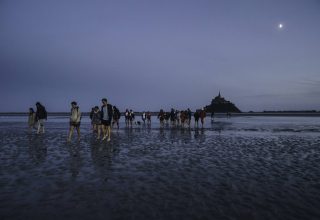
(220, 105)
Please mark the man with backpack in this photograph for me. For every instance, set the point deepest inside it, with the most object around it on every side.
(41, 115)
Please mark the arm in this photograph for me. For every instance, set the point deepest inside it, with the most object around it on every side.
(79, 116)
(110, 112)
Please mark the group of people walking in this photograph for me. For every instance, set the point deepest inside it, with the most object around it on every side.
(101, 119)
(108, 116)
(36, 118)
(181, 118)
(130, 118)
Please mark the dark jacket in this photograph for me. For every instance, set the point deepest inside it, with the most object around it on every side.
(110, 112)
(41, 113)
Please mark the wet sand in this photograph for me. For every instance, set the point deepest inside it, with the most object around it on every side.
(252, 169)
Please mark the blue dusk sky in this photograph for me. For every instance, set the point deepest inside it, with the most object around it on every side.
(148, 55)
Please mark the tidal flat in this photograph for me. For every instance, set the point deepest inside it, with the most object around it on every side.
(232, 168)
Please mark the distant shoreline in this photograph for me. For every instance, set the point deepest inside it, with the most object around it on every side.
(284, 114)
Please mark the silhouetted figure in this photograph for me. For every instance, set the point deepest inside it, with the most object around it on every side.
(126, 115)
(161, 117)
(178, 117)
(116, 116)
(31, 119)
(148, 117)
(75, 118)
(106, 117)
(183, 117)
(196, 116)
(41, 115)
(144, 117)
(172, 117)
(212, 116)
(96, 121)
(202, 116)
(167, 117)
(91, 113)
(189, 115)
(131, 117)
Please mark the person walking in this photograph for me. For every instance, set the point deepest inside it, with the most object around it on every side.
(161, 116)
(75, 118)
(91, 115)
(189, 115)
(96, 121)
(41, 116)
(131, 117)
(196, 118)
(31, 119)
(202, 116)
(116, 116)
(173, 117)
(126, 115)
(106, 117)
(144, 117)
(149, 117)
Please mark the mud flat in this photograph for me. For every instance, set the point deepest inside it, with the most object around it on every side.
(237, 168)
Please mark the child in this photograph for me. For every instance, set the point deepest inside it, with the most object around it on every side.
(31, 119)
(96, 121)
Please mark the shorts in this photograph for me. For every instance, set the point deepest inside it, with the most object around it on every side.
(75, 124)
(106, 122)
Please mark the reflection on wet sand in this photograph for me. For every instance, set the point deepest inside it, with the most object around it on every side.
(37, 148)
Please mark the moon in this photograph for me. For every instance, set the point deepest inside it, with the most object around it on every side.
(280, 26)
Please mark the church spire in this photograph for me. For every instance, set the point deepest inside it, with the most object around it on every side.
(219, 94)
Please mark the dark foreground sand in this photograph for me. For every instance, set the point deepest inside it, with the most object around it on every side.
(225, 171)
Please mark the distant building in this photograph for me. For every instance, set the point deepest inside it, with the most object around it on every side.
(219, 104)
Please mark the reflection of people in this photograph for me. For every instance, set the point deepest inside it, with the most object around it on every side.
(41, 115)
(102, 159)
(37, 149)
(75, 118)
(31, 119)
(75, 160)
(106, 117)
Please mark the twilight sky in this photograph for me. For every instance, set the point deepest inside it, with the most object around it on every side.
(148, 55)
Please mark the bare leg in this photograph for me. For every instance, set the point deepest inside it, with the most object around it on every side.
(39, 126)
(70, 132)
(104, 132)
(78, 131)
(99, 131)
(109, 132)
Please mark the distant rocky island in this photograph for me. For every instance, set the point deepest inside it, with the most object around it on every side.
(220, 105)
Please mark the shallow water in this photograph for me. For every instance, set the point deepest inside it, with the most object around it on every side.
(236, 168)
